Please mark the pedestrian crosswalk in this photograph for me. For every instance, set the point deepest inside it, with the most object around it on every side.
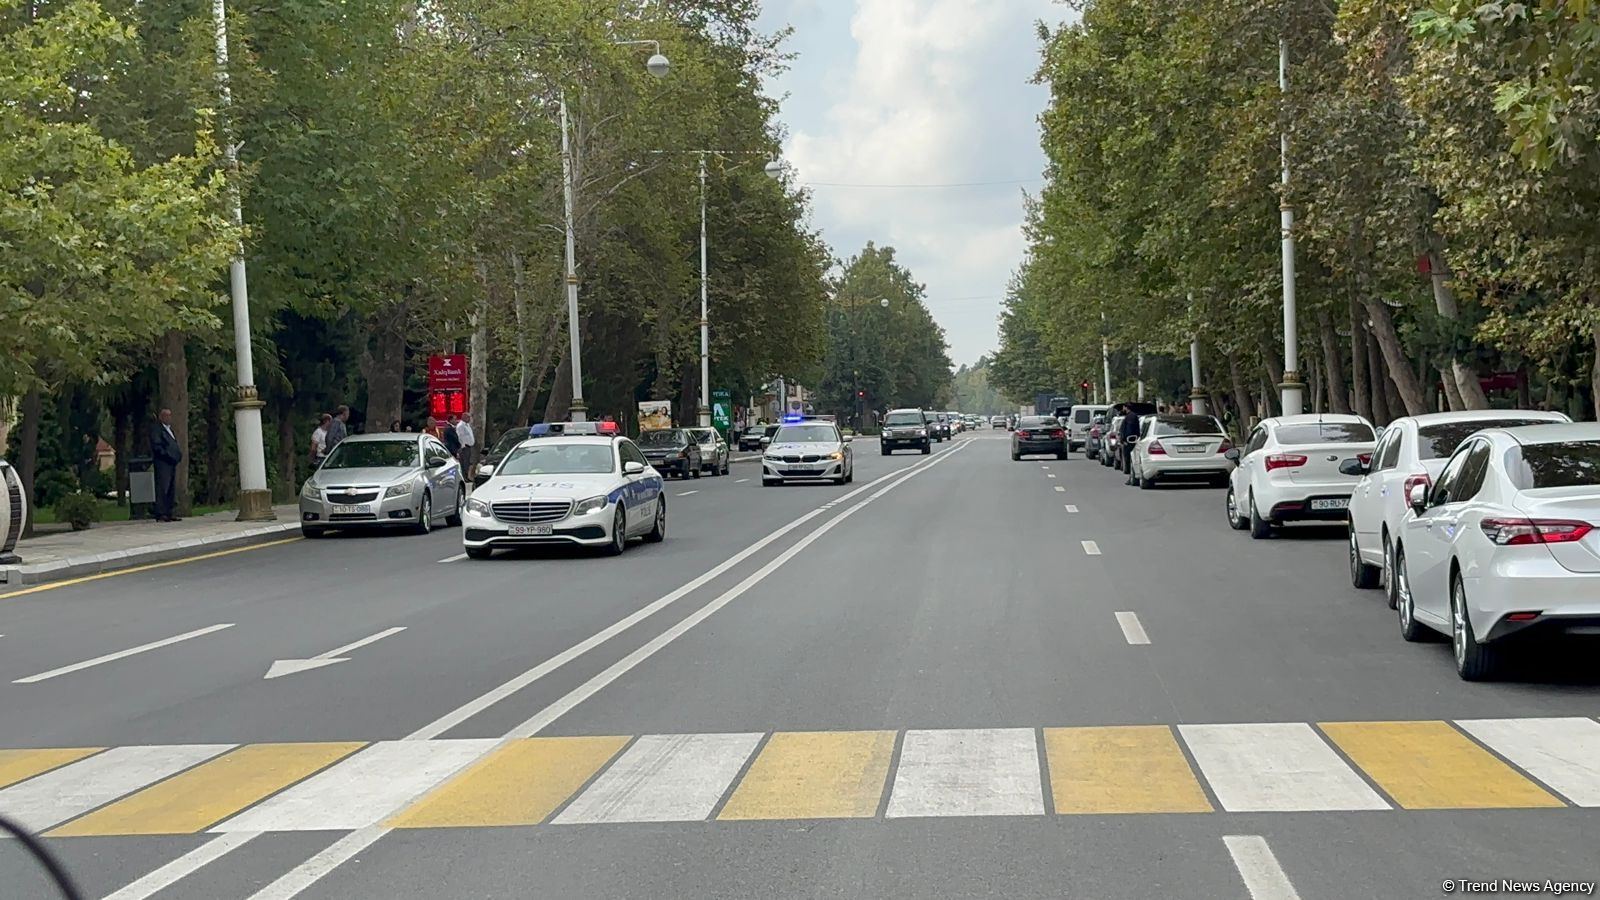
(1521, 763)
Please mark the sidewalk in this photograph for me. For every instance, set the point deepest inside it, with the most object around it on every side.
(117, 545)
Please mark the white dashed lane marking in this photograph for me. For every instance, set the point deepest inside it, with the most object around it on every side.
(1071, 508)
(1131, 628)
(1091, 548)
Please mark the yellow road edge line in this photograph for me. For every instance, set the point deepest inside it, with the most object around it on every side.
(21, 764)
(146, 567)
(1427, 764)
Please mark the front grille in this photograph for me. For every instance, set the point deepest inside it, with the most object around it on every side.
(526, 512)
(802, 473)
(362, 495)
(353, 517)
(808, 458)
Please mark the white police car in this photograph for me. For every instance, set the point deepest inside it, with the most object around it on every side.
(808, 448)
(590, 490)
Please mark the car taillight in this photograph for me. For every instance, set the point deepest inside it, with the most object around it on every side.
(1413, 480)
(1285, 461)
(1058, 433)
(1022, 434)
(1155, 449)
(1366, 458)
(1224, 447)
(1514, 532)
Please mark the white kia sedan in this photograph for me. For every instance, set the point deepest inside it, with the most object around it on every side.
(1180, 446)
(1288, 471)
(1505, 543)
(1411, 451)
(594, 491)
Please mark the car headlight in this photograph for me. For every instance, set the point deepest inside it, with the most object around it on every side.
(310, 490)
(922, 432)
(478, 507)
(837, 454)
(398, 490)
(770, 458)
(588, 506)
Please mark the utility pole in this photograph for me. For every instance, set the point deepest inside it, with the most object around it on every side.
(1292, 390)
(705, 322)
(575, 349)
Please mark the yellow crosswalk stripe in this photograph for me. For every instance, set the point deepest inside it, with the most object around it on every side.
(205, 795)
(521, 783)
(815, 775)
(16, 765)
(1121, 769)
(1429, 765)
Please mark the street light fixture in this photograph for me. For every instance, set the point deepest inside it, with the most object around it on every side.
(658, 65)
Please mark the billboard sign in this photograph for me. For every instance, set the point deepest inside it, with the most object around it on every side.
(447, 372)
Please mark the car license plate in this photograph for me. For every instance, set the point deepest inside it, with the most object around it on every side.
(353, 509)
(532, 530)
(1190, 448)
(1331, 503)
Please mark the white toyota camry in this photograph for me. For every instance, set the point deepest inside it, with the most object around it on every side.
(1505, 543)
(1289, 471)
(1412, 450)
(593, 491)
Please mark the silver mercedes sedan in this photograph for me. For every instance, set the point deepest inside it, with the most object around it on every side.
(401, 480)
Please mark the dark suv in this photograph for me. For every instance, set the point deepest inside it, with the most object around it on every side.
(905, 429)
(938, 425)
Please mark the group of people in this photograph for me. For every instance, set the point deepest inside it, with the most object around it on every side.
(455, 432)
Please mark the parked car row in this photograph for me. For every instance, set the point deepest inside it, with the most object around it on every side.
(1483, 525)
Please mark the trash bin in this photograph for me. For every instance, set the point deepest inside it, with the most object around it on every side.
(13, 510)
(141, 487)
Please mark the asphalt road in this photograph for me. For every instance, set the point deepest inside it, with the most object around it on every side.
(961, 676)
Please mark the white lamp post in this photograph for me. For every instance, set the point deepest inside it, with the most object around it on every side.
(1291, 389)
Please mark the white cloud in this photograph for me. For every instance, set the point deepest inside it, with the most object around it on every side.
(923, 92)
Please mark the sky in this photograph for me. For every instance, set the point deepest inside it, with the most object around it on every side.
(919, 92)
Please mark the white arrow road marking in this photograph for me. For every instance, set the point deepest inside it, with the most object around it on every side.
(1091, 548)
(121, 654)
(1131, 628)
(283, 667)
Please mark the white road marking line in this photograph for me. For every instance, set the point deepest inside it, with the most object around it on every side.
(281, 667)
(1263, 877)
(1131, 628)
(1562, 753)
(308, 872)
(968, 772)
(1051, 475)
(740, 480)
(1071, 508)
(1060, 489)
(686, 493)
(54, 797)
(1091, 548)
(453, 558)
(664, 778)
(178, 869)
(361, 790)
(1276, 767)
(121, 654)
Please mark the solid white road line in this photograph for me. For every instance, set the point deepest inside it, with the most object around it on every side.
(453, 558)
(686, 493)
(664, 778)
(178, 869)
(362, 790)
(308, 872)
(1276, 767)
(968, 772)
(1562, 753)
(1131, 629)
(54, 797)
(1090, 547)
(1071, 508)
(1258, 866)
(740, 480)
(121, 654)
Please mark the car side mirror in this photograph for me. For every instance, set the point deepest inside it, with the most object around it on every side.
(765, 440)
(484, 471)
(1232, 455)
(438, 462)
(632, 467)
(1418, 498)
(848, 438)
(1352, 466)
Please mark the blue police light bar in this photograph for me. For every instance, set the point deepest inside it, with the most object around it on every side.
(794, 418)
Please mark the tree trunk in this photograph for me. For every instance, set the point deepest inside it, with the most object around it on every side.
(383, 364)
(1316, 385)
(519, 308)
(288, 452)
(1405, 381)
(559, 405)
(1333, 362)
(689, 395)
(1360, 397)
(1594, 378)
(1452, 394)
(1378, 397)
(1461, 375)
(478, 353)
(1524, 389)
(547, 352)
(1244, 407)
(172, 379)
(216, 466)
(28, 452)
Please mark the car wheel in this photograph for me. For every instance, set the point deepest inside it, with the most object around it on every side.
(1015, 456)
(1235, 521)
(1146, 482)
(454, 519)
(1361, 575)
(840, 479)
(479, 552)
(1474, 661)
(696, 471)
(424, 514)
(725, 469)
(1062, 455)
(850, 474)
(619, 533)
(884, 451)
(1260, 528)
(1388, 575)
(926, 449)
(312, 531)
(771, 482)
(658, 531)
(1410, 629)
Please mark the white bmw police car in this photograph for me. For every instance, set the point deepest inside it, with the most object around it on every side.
(591, 490)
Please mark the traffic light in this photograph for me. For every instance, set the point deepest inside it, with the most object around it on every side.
(860, 394)
(1083, 385)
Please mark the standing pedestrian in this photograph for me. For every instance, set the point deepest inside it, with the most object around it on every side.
(452, 437)
(319, 440)
(1126, 435)
(469, 443)
(397, 426)
(336, 428)
(166, 454)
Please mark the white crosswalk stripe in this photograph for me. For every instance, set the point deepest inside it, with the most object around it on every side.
(1276, 767)
(664, 778)
(976, 772)
(1562, 753)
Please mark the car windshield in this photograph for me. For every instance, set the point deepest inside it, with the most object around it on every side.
(374, 455)
(1326, 433)
(704, 435)
(508, 440)
(1038, 422)
(1439, 441)
(807, 434)
(903, 418)
(1178, 425)
(556, 458)
(1565, 464)
(666, 437)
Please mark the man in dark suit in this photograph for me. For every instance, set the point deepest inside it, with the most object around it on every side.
(167, 454)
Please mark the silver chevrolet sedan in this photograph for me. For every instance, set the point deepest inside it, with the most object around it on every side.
(399, 480)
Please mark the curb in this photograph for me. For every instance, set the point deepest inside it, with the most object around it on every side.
(94, 564)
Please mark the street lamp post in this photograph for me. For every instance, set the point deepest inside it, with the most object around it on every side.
(255, 499)
(1291, 389)
(658, 65)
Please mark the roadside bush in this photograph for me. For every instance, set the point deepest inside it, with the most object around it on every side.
(49, 487)
(79, 509)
